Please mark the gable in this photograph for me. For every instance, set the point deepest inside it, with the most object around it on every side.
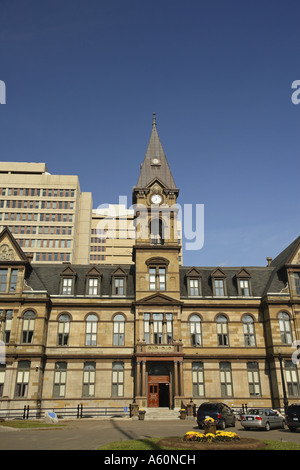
(10, 250)
(158, 299)
(295, 258)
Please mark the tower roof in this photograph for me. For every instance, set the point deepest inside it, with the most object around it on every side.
(155, 164)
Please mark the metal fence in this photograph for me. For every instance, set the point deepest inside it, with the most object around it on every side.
(78, 412)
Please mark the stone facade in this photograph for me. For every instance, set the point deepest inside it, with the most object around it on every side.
(151, 331)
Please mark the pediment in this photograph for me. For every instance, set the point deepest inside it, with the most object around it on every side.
(156, 184)
(218, 273)
(158, 299)
(193, 272)
(68, 271)
(10, 250)
(94, 271)
(119, 272)
(243, 273)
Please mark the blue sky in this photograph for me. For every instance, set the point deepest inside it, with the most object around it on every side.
(84, 77)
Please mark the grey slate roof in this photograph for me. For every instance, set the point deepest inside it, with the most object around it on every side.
(48, 277)
(260, 277)
(149, 172)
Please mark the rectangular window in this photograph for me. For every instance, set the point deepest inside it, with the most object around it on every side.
(219, 287)
(2, 378)
(198, 379)
(117, 389)
(147, 327)
(292, 379)
(244, 287)
(152, 278)
(93, 286)
(253, 379)
(193, 287)
(119, 286)
(13, 280)
(158, 328)
(67, 286)
(297, 283)
(3, 279)
(7, 315)
(22, 379)
(89, 376)
(162, 278)
(226, 380)
(60, 379)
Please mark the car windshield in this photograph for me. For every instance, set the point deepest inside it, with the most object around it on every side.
(208, 407)
(255, 411)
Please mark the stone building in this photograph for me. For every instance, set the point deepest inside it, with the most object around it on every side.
(150, 331)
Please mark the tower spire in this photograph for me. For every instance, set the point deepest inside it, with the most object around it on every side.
(154, 120)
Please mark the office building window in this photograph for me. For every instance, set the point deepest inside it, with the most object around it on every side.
(249, 332)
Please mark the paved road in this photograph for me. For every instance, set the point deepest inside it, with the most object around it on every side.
(90, 434)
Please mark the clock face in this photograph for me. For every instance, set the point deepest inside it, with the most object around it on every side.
(155, 161)
(156, 199)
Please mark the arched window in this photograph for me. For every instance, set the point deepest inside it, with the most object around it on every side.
(119, 330)
(249, 333)
(195, 330)
(91, 330)
(285, 328)
(28, 326)
(222, 330)
(63, 330)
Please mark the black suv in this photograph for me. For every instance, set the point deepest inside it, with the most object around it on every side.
(293, 417)
(221, 413)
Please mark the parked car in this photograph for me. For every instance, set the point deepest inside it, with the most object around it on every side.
(221, 413)
(293, 417)
(262, 419)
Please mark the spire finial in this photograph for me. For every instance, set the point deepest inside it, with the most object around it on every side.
(154, 120)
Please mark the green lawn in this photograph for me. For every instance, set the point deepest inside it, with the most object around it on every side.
(24, 423)
(151, 444)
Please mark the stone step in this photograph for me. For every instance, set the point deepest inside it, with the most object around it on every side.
(162, 413)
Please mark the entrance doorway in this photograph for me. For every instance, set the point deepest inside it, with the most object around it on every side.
(159, 392)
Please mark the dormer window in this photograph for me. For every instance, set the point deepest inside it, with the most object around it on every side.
(67, 285)
(244, 283)
(119, 282)
(93, 281)
(219, 283)
(193, 282)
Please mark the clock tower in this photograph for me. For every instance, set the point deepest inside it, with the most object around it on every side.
(158, 344)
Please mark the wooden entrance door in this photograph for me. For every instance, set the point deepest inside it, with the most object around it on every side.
(158, 391)
(153, 395)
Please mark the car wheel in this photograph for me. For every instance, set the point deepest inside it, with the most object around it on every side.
(222, 425)
(292, 429)
(267, 426)
(283, 424)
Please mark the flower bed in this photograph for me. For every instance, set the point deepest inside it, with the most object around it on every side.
(221, 436)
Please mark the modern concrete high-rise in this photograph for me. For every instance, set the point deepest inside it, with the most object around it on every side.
(47, 214)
